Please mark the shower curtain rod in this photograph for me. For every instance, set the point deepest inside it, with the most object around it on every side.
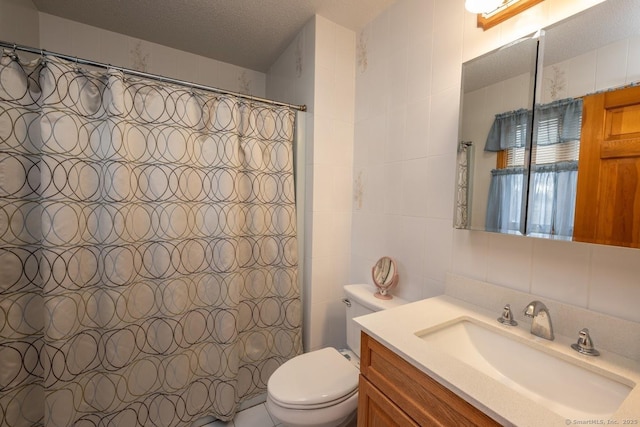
(75, 59)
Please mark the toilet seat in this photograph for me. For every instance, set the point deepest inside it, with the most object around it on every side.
(302, 407)
(314, 380)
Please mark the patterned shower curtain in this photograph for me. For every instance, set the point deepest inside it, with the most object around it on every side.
(148, 253)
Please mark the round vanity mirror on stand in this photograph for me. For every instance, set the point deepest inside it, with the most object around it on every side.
(385, 277)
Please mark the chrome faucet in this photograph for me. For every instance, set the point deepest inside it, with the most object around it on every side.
(541, 323)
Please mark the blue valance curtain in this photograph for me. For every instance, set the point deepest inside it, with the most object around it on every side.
(509, 130)
(558, 122)
(552, 186)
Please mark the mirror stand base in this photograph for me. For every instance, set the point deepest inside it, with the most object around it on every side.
(381, 296)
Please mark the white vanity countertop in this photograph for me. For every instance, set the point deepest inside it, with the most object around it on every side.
(396, 328)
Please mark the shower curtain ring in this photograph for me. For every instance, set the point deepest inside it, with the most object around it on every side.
(76, 68)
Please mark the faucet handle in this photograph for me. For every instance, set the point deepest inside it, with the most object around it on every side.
(584, 344)
(507, 316)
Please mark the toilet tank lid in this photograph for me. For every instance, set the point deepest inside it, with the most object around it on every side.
(363, 293)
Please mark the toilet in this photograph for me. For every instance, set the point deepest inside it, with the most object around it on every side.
(320, 388)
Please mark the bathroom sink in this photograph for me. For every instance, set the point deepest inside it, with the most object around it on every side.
(543, 375)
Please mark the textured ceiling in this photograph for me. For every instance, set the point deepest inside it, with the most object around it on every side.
(248, 33)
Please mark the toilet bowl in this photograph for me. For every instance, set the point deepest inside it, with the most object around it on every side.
(320, 388)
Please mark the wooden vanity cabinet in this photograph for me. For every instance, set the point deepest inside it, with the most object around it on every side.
(393, 393)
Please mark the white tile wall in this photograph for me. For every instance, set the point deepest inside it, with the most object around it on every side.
(84, 41)
(405, 234)
(406, 128)
(327, 54)
(610, 66)
(509, 262)
(19, 22)
(633, 64)
(440, 36)
(333, 171)
(396, 146)
(613, 281)
(560, 270)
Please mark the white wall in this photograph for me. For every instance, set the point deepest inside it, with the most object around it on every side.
(407, 98)
(19, 22)
(84, 41)
(406, 131)
(329, 144)
(604, 68)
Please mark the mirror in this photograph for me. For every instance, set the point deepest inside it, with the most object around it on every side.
(385, 277)
(524, 157)
(495, 84)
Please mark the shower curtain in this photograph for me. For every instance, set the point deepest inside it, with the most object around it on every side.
(148, 253)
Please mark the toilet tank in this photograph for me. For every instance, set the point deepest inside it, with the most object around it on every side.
(359, 300)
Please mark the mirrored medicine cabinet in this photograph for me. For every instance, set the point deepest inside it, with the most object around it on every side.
(549, 136)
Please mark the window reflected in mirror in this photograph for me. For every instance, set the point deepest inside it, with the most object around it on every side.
(496, 100)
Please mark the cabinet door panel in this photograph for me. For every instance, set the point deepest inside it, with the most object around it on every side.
(608, 197)
(376, 410)
(422, 398)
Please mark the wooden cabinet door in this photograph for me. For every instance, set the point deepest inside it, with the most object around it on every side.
(376, 410)
(422, 399)
(608, 190)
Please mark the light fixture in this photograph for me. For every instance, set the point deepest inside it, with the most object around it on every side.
(482, 6)
(492, 12)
